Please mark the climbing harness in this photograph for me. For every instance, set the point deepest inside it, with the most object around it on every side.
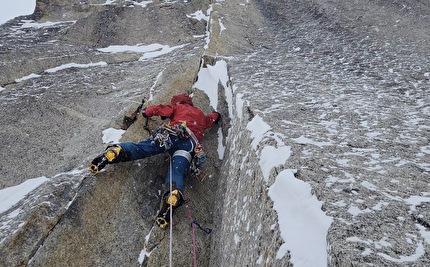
(163, 134)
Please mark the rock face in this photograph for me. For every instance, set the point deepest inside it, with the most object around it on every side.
(339, 90)
(348, 97)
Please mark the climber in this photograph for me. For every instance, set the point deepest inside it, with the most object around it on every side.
(180, 137)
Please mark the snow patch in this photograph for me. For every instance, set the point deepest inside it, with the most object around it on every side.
(207, 81)
(236, 238)
(36, 25)
(239, 106)
(74, 65)
(151, 90)
(210, 77)
(419, 252)
(199, 15)
(11, 195)
(415, 201)
(355, 211)
(302, 223)
(221, 26)
(112, 136)
(306, 141)
(258, 129)
(28, 77)
(271, 157)
(148, 51)
(128, 3)
(142, 4)
(369, 186)
(221, 148)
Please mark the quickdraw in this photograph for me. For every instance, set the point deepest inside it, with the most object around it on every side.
(162, 134)
(198, 160)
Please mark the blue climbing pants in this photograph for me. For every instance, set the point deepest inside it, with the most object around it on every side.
(181, 151)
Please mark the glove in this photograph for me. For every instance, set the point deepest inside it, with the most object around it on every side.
(109, 156)
(219, 117)
(144, 113)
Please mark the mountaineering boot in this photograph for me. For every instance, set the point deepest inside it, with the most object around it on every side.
(173, 199)
(111, 155)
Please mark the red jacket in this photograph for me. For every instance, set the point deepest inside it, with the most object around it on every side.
(181, 109)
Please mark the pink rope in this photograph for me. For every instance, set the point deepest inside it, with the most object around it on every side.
(193, 235)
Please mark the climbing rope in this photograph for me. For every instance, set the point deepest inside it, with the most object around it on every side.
(171, 217)
(193, 223)
(193, 235)
(193, 232)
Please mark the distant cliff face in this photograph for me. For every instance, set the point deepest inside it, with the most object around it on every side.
(326, 102)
